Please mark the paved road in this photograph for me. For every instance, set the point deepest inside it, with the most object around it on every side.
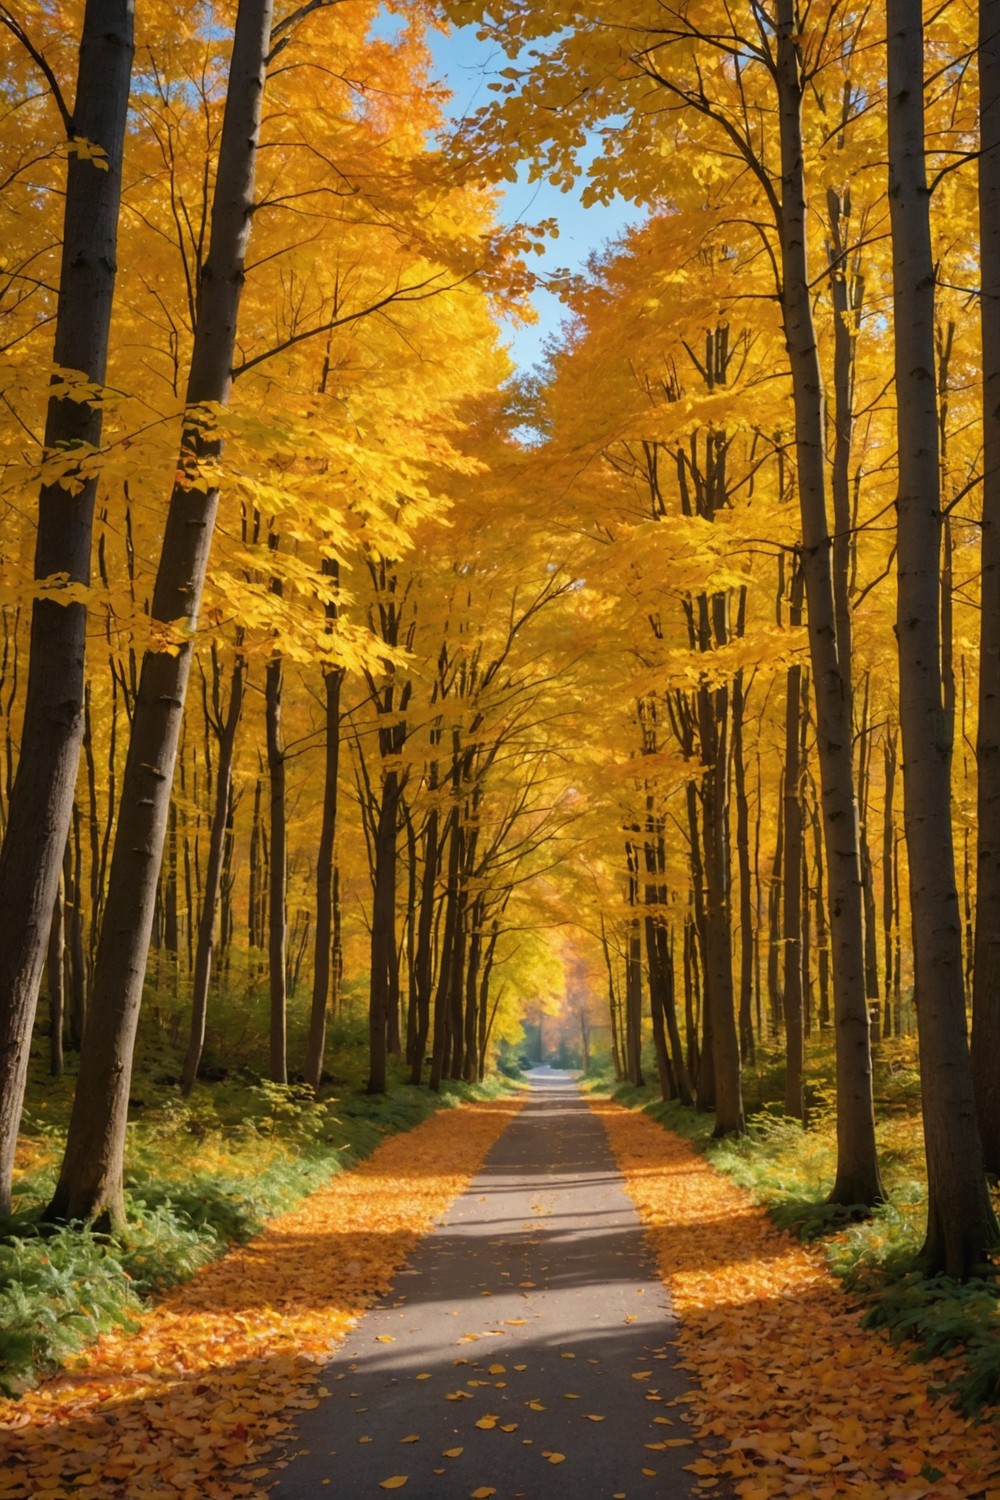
(524, 1351)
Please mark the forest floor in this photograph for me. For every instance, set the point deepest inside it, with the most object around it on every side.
(766, 1386)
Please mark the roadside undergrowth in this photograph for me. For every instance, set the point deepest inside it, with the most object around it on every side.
(788, 1169)
(202, 1174)
(801, 1398)
(187, 1401)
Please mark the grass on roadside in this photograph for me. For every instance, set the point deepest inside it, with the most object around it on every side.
(202, 1174)
(789, 1170)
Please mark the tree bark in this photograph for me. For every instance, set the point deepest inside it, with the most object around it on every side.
(961, 1227)
(986, 976)
(423, 962)
(226, 732)
(277, 890)
(41, 797)
(857, 1180)
(383, 934)
(792, 946)
(56, 968)
(90, 1182)
(313, 1072)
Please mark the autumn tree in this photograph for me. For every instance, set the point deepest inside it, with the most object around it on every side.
(41, 798)
(961, 1228)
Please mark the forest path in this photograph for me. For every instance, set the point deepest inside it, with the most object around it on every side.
(525, 1349)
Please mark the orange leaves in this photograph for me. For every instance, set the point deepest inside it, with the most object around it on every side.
(216, 1370)
(804, 1400)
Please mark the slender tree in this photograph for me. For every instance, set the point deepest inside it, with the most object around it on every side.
(41, 798)
(90, 1182)
(961, 1228)
(986, 979)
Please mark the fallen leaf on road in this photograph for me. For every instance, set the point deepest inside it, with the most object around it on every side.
(244, 1345)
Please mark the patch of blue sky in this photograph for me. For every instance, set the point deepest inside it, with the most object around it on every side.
(466, 66)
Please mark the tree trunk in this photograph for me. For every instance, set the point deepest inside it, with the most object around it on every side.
(961, 1227)
(383, 934)
(56, 968)
(890, 916)
(226, 732)
(720, 1000)
(792, 883)
(747, 933)
(313, 1070)
(616, 1050)
(73, 918)
(423, 962)
(90, 1182)
(857, 1180)
(986, 975)
(41, 798)
(633, 1006)
(277, 891)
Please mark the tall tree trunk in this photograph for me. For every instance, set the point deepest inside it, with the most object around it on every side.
(56, 971)
(960, 1224)
(255, 921)
(90, 1181)
(383, 934)
(633, 1005)
(277, 891)
(313, 1070)
(447, 960)
(226, 732)
(857, 1180)
(41, 798)
(423, 962)
(616, 1049)
(890, 915)
(472, 969)
(720, 1006)
(747, 932)
(986, 975)
(867, 874)
(77, 962)
(792, 880)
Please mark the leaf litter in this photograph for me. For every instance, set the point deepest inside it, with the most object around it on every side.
(795, 1397)
(191, 1402)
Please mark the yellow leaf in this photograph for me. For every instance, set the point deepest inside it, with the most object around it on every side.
(395, 1483)
(483, 1493)
(556, 1458)
(593, 1417)
(414, 1437)
(452, 1452)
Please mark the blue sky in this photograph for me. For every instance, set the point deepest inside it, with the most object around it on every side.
(466, 66)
